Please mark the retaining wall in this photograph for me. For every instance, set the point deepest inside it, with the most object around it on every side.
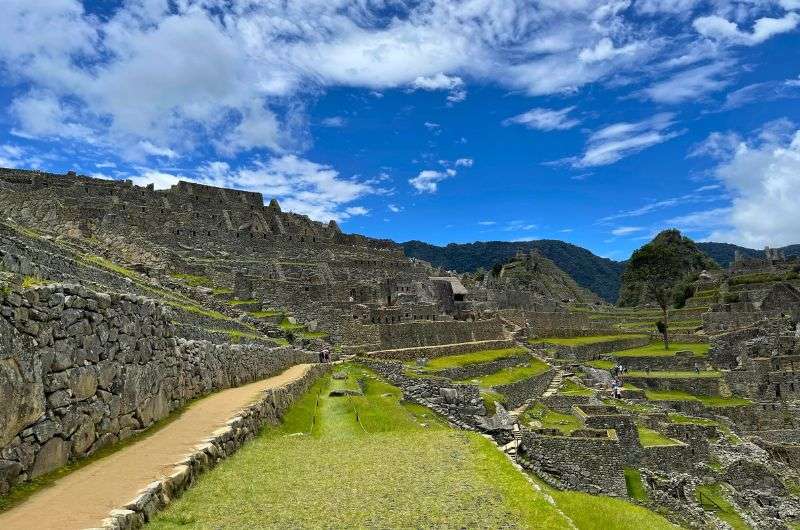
(81, 370)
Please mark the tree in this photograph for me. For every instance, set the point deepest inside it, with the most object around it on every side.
(659, 267)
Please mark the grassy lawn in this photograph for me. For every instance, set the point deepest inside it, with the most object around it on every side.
(709, 401)
(651, 438)
(601, 364)
(512, 375)
(466, 359)
(362, 462)
(675, 417)
(656, 349)
(633, 480)
(374, 462)
(265, 314)
(711, 498)
(571, 388)
(549, 419)
(702, 374)
(594, 512)
(579, 341)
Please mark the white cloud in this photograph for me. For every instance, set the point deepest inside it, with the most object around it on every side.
(617, 141)
(300, 185)
(394, 208)
(719, 28)
(236, 75)
(545, 119)
(428, 180)
(464, 162)
(691, 84)
(432, 125)
(762, 176)
(487, 223)
(154, 150)
(334, 121)
(440, 81)
(626, 230)
(605, 50)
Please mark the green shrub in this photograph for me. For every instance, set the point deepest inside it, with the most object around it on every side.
(731, 298)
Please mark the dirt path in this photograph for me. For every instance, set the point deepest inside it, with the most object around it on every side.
(83, 498)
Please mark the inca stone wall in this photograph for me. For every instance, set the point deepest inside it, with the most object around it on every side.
(81, 370)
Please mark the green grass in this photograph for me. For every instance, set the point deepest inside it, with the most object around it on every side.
(466, 359)
(242, 302)
(490, 400)
(362, 462)
(374, 462)
(656, 349)
(711, 498)
(193, 280)
(512, 375)
(651, 438)
(571, 388)
(633, 481)
(111, 266)
(32, 281)
(580, 341)
(702, 374)
(286, 325)
(595, 512)
(549, 419)
(709, 401)
(675, 417)
(757, 277)
(312, 334)
(601, 364)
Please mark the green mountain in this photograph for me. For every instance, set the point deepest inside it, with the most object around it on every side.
(668, 250)
(600, 275)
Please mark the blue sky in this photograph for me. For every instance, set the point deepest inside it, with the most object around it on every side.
(596, 122)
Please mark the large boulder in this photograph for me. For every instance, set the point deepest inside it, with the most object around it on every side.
(21, 385)
(51, 456)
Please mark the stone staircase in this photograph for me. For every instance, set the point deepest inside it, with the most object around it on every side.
(555, 383)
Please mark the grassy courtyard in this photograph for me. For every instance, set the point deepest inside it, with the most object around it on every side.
(466, 359)
(656, 349)
(580, 341)
(507, 376)
(372, 461)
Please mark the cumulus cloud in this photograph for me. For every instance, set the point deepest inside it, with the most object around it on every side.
(763, 176)
(235, 75)
(545, 119)
(428, 180)
(719, 28)
(619, 140)
(301, 186)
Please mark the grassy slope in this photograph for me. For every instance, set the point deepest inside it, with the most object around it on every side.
(384, 470)
(656, 349)
(579, 341)
(512, 375)
(466, 359)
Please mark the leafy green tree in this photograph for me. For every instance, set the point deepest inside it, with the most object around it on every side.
(658, 267)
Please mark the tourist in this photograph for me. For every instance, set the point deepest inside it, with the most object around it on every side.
(322, 356)
(696, 368)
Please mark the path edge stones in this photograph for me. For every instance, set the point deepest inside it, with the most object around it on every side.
(268, 408)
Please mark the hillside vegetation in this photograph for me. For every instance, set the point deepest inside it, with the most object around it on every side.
(599, 275)
(685, 258)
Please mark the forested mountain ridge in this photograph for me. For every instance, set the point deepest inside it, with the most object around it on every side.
(603, 276)
(600, 275)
